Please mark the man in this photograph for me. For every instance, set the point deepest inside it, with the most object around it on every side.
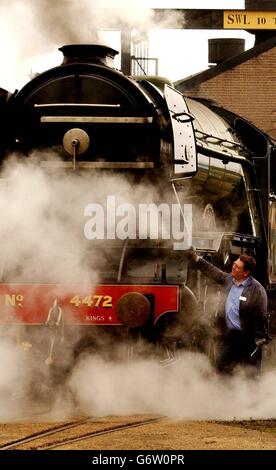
(242, 316)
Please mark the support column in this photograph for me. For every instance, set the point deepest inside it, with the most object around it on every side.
(126, 51)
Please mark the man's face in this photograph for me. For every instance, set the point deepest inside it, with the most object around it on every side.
(238, 272)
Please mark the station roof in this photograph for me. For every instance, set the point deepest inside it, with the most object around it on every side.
(187, 83)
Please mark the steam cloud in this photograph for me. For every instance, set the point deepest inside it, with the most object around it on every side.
(31, 31)
(42, 241)
(188, 389)
(42, 231)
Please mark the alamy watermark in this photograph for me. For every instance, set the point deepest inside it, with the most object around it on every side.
(142, 221)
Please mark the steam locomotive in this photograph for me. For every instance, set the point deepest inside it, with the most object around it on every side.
(99, 122)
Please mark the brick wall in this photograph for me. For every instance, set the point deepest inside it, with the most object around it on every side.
(249, 90)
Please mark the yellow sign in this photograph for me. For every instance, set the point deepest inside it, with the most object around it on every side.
(243, 19)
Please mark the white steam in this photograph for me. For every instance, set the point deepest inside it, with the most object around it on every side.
(42, 241)
(15, 376)
(31, 31)
(42, 227)
(188, 389)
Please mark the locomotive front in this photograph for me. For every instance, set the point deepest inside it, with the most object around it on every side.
(114, 120)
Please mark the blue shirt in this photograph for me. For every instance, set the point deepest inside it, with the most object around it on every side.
(232, 305)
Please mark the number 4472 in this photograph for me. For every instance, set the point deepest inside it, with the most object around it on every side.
(92, 301)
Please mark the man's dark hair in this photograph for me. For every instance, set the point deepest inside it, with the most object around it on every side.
(249, 263)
